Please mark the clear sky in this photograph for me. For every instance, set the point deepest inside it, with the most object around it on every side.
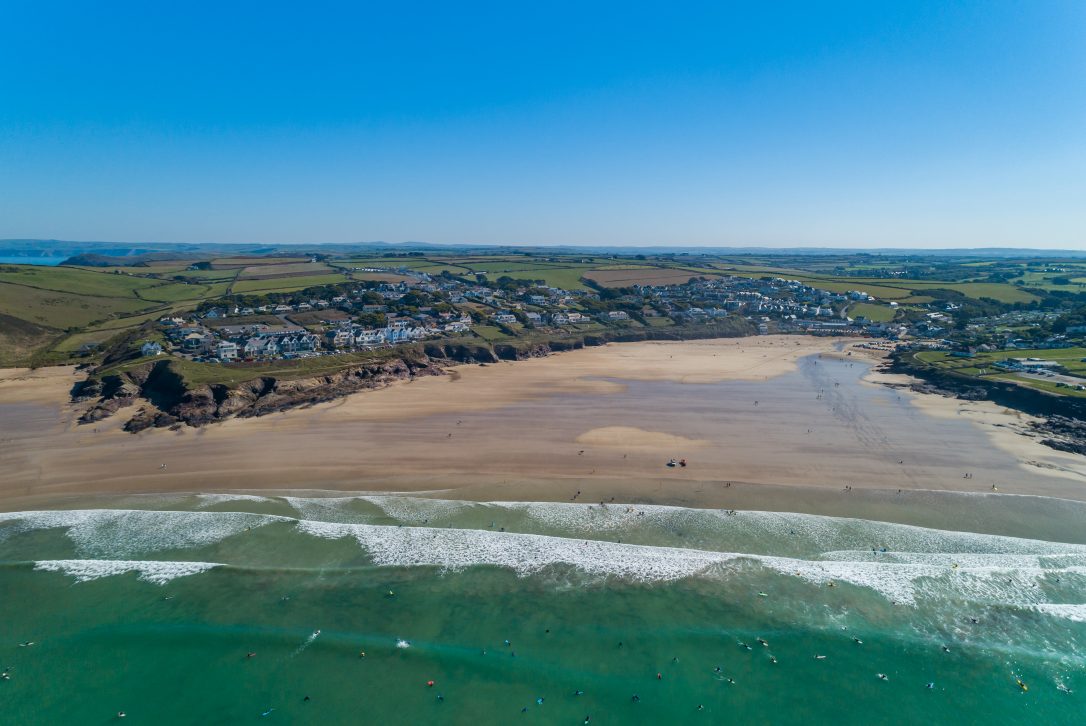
(863, 124)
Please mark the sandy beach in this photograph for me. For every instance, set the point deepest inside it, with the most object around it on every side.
(758, 419)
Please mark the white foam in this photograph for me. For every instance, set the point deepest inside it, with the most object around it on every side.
(208, 500)
(1074, 612)
(150, 571)
(456, 549)
(329, 509)
(416, 510)
(127, 532)
(994, 578)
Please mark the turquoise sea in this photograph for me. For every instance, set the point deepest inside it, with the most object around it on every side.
(528, 613)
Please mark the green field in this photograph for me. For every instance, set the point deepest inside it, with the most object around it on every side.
(980, 366)
(872, 311)
(61, 310)
(75, 281)
(287, 284)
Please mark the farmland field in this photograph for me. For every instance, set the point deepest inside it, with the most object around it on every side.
(871, 311)
(287, 284)
(643, 276)
(75, 281)
(62, 310)
(259, 272)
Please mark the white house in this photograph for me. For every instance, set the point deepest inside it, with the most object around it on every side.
(151, 348)
(226, 350)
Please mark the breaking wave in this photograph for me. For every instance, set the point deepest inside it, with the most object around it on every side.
(902, 563)
(149, 570)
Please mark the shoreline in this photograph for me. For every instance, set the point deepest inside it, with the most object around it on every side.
(628, 406)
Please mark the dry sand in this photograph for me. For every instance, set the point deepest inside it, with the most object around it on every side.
(601, 420)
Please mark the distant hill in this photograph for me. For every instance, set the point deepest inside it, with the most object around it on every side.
(183, 250)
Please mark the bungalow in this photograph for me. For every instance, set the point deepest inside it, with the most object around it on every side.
(505, 318)
(617, 315)
(559, 319)
(534, 318)
(456, 327)
(151, 348)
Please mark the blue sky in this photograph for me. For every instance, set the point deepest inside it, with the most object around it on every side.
(863, 124)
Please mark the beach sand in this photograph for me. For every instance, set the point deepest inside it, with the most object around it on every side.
(772, 422)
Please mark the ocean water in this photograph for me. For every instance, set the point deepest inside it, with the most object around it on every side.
(31, 260)
(527, 612)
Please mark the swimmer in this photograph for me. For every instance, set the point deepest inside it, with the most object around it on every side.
(764, 642)
(121, 714)
(506, 642)
(250, 655)
(946, 648)
(578, 693)
(266, 713)
(930, 685)
(820, 657)
(1064, 688)
(744, 645)
(882, 676)
(659, 676)
(763, 594)
(635, 698)
(539, 701)
(305, 699)
(857, 641)
(361, 654)
(26, 644)
(730, 680)
(1021, 685)
(772, 659)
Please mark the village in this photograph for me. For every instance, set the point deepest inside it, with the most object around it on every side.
(367, 315)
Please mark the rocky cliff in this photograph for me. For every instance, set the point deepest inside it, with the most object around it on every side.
(167, 399)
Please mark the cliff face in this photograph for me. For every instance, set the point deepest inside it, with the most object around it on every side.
(1063, 418)
(169, 400)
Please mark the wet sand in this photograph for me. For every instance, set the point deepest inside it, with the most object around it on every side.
(772, 422)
